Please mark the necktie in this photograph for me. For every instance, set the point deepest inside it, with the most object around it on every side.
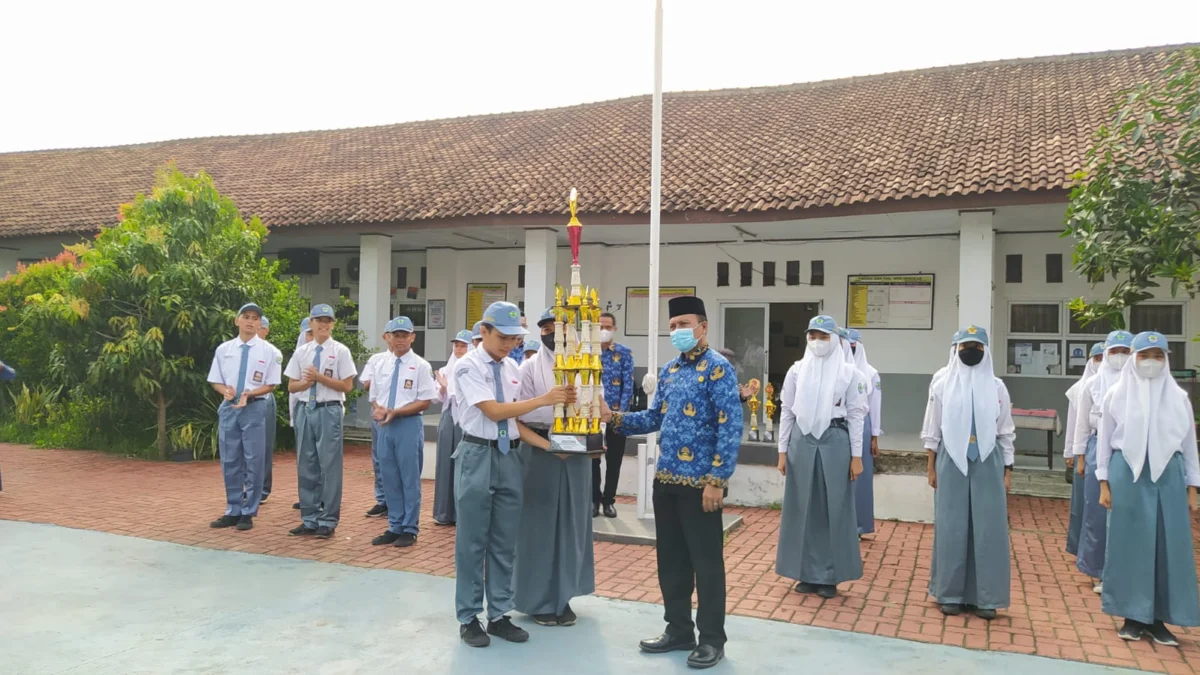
(395, 381)
(312, 391)
(973, 445)
(502, 439)
(241, 385)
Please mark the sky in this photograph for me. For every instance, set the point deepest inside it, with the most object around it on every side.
(81, 74)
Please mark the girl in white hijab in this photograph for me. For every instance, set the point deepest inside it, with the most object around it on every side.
(824, 401)
(1077, 496)
(864, 487)
(1149, 472)
(969, 435)
(449, 433)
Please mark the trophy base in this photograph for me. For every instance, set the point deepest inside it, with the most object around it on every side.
(752, 435)
(769, 437)
(577, 444)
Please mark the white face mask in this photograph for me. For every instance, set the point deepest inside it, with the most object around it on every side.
(606, 335)
(1117, 361)
(1150, 368)
(820, 347)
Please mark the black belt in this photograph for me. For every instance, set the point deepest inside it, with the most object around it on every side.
(544, 433)
(839, 423)
(493, 444)
(322, 404)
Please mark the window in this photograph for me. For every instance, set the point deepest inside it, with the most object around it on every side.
(1054, 268)
(768, 274)
(423, 277)
(401, 277)
(747, 273)
(1034, 319)
(1100, 328)
(793, 273)
(818, 273)
(722, 274)
(1012, 268)
(520, 276)
(1035, 344)
(1167, 319)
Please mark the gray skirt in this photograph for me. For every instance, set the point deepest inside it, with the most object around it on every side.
(449, 435)
(864, 487)
(1150, 570)
(818, 532)
(970, 563)
(1093, 529)
(1076, 521)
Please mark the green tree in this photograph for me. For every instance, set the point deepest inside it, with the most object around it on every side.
(1135, 209)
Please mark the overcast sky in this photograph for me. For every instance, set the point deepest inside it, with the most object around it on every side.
(107, 73)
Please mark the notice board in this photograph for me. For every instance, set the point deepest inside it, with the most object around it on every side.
(480, 296)
(890, 301)
(637, 307)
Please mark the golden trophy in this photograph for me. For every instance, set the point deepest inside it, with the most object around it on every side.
(753, 404)
(577, 357)
(769, 423)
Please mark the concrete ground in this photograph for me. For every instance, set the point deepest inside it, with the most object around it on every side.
(76, 601)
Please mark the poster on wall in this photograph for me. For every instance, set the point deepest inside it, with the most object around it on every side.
(479, 296)
(437, 314)
(637, 307)
(890, 301)
(1036, 357)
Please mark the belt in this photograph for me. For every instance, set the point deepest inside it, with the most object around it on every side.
(493, 444)
(322, 404)
(839, 423)
(544, 433)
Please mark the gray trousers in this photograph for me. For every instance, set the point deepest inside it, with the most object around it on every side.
(242, 443)
(270, 423)
(380, 497)
(487, 489)
(319, 464)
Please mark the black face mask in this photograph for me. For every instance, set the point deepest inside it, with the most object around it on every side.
(971, 357)
(548, 341)
(854, 348)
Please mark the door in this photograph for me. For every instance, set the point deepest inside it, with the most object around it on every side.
(744, 334)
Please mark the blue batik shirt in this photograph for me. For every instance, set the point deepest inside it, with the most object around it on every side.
(699, 412)
(517, 354)
(617, 365)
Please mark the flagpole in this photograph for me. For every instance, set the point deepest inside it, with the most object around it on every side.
(645, 510)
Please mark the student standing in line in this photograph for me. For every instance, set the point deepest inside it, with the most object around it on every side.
(294, 398)
(243, 372)
(824, 401)
(367, 375)
(449, 433)
(1149, 472)
(864, 487)
(969, 435)
(531, 348)
(270, 416)
(323, 370)
(1093, 529)
(1077, 484)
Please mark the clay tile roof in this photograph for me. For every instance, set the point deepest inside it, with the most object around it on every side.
(1011, 126)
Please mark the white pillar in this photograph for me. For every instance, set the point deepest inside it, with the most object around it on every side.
(374, 287)
(441, 283)
(541, 249)
(976, 254)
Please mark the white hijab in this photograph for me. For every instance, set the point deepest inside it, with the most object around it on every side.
(1156, 414)
(821, 381)
(1089, 371)
(967, 391)
(1106, 376)
(864, 367)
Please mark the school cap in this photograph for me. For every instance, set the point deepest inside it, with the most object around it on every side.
(1119, 338)
(824, 324)
(321, 311)
(504, 317)
(304, 327)
(250, 307)
(1149, 340)
(1097, 349)
(463, 336)
(400, 324)
(971, 334)
(475, 334)
(547, 315)
(266, 323)
(854, 335)
(531, 346)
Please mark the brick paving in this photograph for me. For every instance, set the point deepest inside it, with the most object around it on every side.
(1054, 612)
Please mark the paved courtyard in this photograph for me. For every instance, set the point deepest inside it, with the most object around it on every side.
(1054, 612)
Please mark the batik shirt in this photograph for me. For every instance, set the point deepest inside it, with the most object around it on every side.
(617, 365)
(698, 411)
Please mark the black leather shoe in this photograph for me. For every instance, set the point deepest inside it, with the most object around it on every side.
(826, 591)
(405, 540)
(377, 511)
(610, 511)
(950, 609)
(323, 532)
(245, 523)
(705, 656)
(595, 510)
(225, 521)
(472, 634)
(384, 539)
(667, 643)
(805, 587)
(505, 629)
(302, 531)
(296, 506)
(985, 614)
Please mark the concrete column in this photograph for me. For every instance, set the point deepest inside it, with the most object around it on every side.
(374, 287)
(976, 255)
(541, 248)
(441, 283)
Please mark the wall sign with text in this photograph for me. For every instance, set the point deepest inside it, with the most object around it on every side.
(890, 301)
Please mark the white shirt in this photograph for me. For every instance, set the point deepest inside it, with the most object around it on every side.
(1006, 430)
(1158, 412)
(848, 402)
(414, 382)
(368, 371)
(448, 399)
(537, 378)
(336, 362)
(474, 383)
(262, 365)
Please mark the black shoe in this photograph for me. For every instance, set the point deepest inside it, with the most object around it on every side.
(667, 643)
(405, 540)
(1132, 630)
(985, 614)
(805, 587)
(950, 609)
(245, 523)
(504, 629)
(377, 511)
(567, 618)
(384, 539)
(301, 531)
(264, 498)
(826, 591)
(610, 511)
(296, 506)
(545, 619)
(225, 521)
(595, 510)
(445, 523)
(323, 532)
(1159, 633)
(472, 634)
(705, 656)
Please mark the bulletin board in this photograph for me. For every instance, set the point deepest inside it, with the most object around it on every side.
(480, 297)
(890, 301)
(1040, 358)
(637, 307)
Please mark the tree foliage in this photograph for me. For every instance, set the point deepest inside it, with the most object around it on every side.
(1135, 209)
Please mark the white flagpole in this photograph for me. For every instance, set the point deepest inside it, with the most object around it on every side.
(650, 458)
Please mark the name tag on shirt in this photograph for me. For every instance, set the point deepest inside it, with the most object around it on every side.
(258, 377)
(408, 384)
(329, 372)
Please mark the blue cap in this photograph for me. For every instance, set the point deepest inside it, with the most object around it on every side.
(475, 334)
(463, 336)
(1149, 340)
(547, 315)
(971, 334)
(531, 346)
(854, 335)
(1118, 338)
(400, 324)
(304, 327)
(1097, 349)
(823, 323)
(504, 317)
(321, 311)
(250, 307)
(266, 323)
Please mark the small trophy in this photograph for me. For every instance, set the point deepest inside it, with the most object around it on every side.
(753, 404)
(769, 423)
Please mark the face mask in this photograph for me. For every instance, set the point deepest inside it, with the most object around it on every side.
(854, 348)
(971, 357)
(684, 339)
(1150, 368)
(820, 347)
(606, 335)
(1117, 361)
(548, 341)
